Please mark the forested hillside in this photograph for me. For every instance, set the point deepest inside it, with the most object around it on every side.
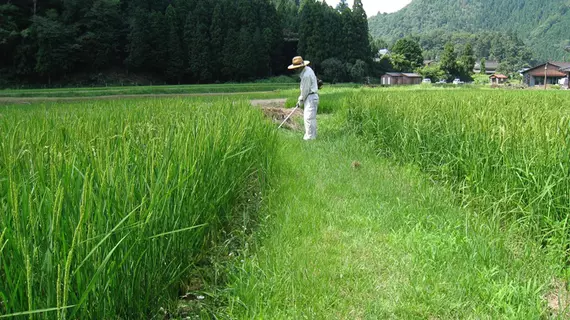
(176, 41)
(542, 25)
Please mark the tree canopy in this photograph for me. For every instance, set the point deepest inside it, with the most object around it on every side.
(178, 41)
(542, 24)
(408, 55)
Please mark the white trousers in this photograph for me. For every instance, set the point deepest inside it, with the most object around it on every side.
(310, 115)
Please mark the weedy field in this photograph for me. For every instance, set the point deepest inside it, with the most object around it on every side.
(458, 207)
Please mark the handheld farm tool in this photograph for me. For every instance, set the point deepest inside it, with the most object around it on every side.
(289, 116)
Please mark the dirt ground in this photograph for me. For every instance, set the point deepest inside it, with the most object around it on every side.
(559, 300)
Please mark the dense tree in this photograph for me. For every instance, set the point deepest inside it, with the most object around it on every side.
(175, 40)
(348, 35)
(340, 34)
(358, 71)
(333, 70)
(287, 12)
(399, 62)
(175, 57)
(230, 53)
(138, 45)
(448, 61)
(217, 34)
(101, 34)
(56, 53)
(157, 41)
(376, 45)
(543, 24)
(483, 68)
(199, 35)
(432, 72)
(466, 63)
(407, 55)
(361, 40)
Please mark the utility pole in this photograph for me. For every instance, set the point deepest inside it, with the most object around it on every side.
(545, 69)
(35, 6)
(567, 48)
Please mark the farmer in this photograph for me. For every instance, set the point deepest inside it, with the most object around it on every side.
(309, 98)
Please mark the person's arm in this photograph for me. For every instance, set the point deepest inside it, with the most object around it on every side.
(305, 89)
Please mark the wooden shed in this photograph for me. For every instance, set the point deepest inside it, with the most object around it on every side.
(498, 79)
(398, 78)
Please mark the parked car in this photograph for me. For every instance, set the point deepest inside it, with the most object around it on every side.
(442, 81)
(426, 80)
(458, 81)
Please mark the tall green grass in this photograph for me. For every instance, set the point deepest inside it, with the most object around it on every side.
(105, 206)
(505, 151)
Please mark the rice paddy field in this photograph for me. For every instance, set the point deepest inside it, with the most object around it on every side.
(132, 90)
(506, 151)
(414, 203)
(105, 206)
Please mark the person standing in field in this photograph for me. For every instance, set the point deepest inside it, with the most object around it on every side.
(309, 98)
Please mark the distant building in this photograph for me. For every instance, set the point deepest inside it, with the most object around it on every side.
(552, 71)
(566, 81)
(490, 67)
(399, 78)
(381, 53)
(429, 62)
(498, 79)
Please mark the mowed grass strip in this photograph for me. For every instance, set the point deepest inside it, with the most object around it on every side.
(106, 206)
(379, 241)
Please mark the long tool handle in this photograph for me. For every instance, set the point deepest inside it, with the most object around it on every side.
(289, 116)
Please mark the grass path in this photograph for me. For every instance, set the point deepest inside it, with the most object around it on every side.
(379, 242)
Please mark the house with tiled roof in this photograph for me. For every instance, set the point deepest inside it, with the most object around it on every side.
(490, 67)
(551, 72)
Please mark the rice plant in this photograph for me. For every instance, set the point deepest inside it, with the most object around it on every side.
(505, 151)
(105, 206)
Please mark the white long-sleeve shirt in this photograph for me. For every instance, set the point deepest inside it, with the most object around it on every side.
(308, 83)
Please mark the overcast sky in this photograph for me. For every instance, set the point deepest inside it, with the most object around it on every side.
(373, 6)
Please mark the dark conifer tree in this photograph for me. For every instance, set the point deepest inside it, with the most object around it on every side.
(175, 58)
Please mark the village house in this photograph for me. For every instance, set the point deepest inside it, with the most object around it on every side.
(381, 53)
(566, 82)
(490, 67)
(498, 79)
(552, 71)
(398, 78)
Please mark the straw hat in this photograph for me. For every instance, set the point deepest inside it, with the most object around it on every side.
(298, 62)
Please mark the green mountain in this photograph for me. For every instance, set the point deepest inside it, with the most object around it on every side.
(543, 25)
